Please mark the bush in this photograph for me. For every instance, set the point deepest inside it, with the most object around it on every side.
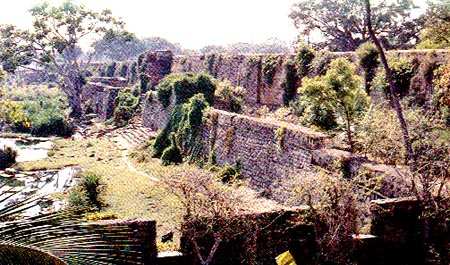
(86, 195)
(48, 122)
(13, 114)
(229, 97)
(368, 61)
(172, 154)
(290, 82)
(7, 157)
(126, 103)
(184, 86)
(269, 67)
(228, 174)
(441, 97)
(338, 93)
(303, 59)
(402, 72)
(320, 63)
(185, 122)
(111, 69)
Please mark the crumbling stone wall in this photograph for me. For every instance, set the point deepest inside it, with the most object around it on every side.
(266, 150)
(99, 95)
(155, 65)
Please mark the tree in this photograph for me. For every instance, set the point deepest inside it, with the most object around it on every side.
(53, 44)
(210, 208)
(339, 90)
(117, 46)
(392, 86)
(341, 23)
(436, 34)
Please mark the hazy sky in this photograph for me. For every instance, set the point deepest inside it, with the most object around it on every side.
(193, 23)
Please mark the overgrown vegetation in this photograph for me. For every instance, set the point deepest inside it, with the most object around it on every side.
(183, 87)
(303, 59)
(7, 157)
(441, 97)
(338, 93)
(369, 62)
(41, 111)
(290, 82)
(229, 97)
(402, 71)
(86, 196)
(126, 104)
(181, 134)
(269, 67)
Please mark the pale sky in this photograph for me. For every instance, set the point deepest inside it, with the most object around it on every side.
(192, 23)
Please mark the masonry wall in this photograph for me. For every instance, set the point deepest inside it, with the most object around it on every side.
(266, 150)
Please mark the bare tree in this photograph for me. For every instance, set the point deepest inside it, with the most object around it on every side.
(392, 88)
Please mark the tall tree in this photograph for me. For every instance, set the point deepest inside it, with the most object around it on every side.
(436, 33)
(340, 23)
(117, 46)
(392, 86)
(53, 44)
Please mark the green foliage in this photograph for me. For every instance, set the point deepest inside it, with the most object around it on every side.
(269, 67)
(48, 122)
(290, 82)
(338, 91)
(232, 98)
(303, 59)
(436, 33)
(7, 157)
(184, 86)
(185, 125)
(402, 71)
(40, 110)
(172, 154)
(127, 102)
(111, 69)
(87, 194)
(229, 174)
(441, 97)
(320, 63)
(341, 24)
(13, 114)
(280, 134)
(368, 61)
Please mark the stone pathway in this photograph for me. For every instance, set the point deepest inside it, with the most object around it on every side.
(132, 135)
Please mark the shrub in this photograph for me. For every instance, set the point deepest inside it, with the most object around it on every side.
(185, 122)
(184, 86)
(126, 105)
(13, 113)
(7, 157)
(338, 92)
(320, 63)
(91, 185)
(303, 59)
(269, 67)
(290, 82)
(402, 72)
(441, 97)
(172, 154)
(228, 174)
(111, 69)
(368, 61)
(229, 97)
(49, 122)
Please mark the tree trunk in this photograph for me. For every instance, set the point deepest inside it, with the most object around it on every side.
(73, 87)
(392, 89)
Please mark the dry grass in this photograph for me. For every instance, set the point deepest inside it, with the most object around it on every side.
(128, 194)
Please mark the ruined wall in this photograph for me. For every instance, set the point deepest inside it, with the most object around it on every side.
(266, 150)
(99, 95)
